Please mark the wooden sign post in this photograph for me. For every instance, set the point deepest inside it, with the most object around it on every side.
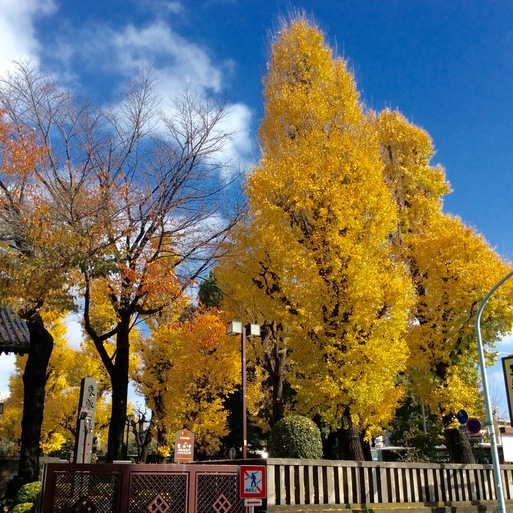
(184, 446)
(85, 420)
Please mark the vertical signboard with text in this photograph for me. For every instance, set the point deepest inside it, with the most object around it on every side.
(184, 446)
(85, 420)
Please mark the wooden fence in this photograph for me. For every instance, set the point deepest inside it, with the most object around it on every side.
(137, 488)
(323, 482)
(292, 486)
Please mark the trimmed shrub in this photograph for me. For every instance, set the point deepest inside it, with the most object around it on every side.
(295, 437)
(28, 493)
(25, 507)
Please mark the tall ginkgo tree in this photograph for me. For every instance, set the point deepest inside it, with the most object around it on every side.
(319, 221)
(452, 268)
(346, 249)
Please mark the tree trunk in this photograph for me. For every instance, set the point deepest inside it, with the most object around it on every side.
(158, 420)
(366, 448)
(330, 446)
(34, 381)
(350, 446)
(142, 437)
(277, 382)
(145, 448)
(275, 361)
(162, 441)
(119, 381)
(458, 444)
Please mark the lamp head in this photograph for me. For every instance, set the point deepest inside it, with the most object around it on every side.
(252, 330)
(234, 328)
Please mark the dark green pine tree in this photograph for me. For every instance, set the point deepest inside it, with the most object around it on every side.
(209, 293)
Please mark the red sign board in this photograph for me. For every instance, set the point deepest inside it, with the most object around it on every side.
(252, 482)
(184, 446)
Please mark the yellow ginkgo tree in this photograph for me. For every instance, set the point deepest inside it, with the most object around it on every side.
(346, 251)
(66, 368)
(452, 268)
(320, 216)
(189, 366)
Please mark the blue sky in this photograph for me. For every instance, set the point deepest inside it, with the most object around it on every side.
(446, 65)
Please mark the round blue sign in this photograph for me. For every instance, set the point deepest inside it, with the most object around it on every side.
(462, 416)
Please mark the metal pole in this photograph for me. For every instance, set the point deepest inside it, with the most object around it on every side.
(489, 414)
(423, 411)
(244, 418)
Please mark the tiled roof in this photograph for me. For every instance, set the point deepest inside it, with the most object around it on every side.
(14, 333)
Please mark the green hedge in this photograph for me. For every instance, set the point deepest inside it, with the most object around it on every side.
(295, 437)
(25, 500)
(25, 507)
(28, 493)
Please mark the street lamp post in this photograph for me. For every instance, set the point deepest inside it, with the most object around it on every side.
(489, 414)
(250, 330)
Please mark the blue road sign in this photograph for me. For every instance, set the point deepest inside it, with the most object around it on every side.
(462, 416)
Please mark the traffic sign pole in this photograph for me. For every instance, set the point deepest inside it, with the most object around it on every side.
(489, 414)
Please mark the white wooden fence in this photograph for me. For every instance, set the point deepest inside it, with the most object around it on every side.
(302, 482)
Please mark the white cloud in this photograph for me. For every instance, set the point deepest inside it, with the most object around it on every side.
(174, 7)
(18, 41)
(241, 145)
(110, 55)
(505, 346)
(74, 332)
(121, 51)
(176, 61)
(135, 46)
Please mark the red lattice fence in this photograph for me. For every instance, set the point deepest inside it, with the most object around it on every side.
(125, 488)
